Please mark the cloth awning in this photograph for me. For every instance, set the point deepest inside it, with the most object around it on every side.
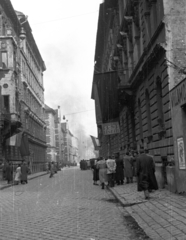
(107, 95)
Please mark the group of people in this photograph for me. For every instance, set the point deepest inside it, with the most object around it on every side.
(114, 170)
(21, 173)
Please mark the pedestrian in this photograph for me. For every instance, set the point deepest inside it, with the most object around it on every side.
(49, 167)
(111, 170)
(24, 173)
(128, 167)
(55, 167)
(101, 165)
(145, 169)
(4, 170)
(119, 176)
(51, 170)
(9, 172)
(18, 174)
(134, 155)
(95, 172)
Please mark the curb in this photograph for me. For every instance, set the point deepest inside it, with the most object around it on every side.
(125, 205)
(30, 178)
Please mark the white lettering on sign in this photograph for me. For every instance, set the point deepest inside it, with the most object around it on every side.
(111, 128)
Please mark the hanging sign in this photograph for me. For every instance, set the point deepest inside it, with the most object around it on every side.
(181, 153)
(110, 128)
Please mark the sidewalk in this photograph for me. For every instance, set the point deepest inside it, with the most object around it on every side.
(161, 217)
(4, 184)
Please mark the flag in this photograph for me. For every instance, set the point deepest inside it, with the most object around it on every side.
(24, 147)
(106, 95)
(96, 143)
(14, 140)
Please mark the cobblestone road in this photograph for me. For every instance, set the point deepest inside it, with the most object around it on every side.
(67, 206)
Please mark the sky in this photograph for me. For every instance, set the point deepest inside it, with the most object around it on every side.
(65, 33)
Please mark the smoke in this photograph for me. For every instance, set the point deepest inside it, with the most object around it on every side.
(85, 145)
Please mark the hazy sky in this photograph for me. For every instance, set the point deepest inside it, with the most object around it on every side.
(65, 32)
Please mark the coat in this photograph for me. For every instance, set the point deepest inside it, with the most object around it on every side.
(9, 172)
(145, 169)
(24, 172)
(119, 170)
(95, 173)
(101, 165)
(128, 166)
(18, 174)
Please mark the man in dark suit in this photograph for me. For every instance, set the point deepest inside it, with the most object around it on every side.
(145, 169)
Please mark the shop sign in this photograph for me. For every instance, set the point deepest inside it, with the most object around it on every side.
(178, 95)
(181, 153)
(111, 128)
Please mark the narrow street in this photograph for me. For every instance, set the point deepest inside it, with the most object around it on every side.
(67, 206)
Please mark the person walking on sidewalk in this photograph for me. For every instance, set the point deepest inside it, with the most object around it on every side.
(119, 169)
(128, 167)
(51, 170)
(101, 165)
(111, 169)
(145, 170)
(18, 174)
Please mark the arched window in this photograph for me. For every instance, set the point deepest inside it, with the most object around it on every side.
(159, 101)
(127, 127)
(147, 98)
(160, 113)
(140, 119)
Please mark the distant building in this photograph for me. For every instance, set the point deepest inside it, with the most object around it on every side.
(69, 145)
(58, 134)
(50, 134)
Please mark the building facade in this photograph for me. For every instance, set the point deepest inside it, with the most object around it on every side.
(58, 135)
(139, 61)
(69, 145)
(50, 134)
(22, 91)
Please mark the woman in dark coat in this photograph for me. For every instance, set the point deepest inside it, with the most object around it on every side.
(24, 173)
(119, 170)
(95, 172)
(145, 169)
(9, 172)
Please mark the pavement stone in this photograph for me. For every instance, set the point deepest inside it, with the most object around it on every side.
(67, 206)
(161, 217)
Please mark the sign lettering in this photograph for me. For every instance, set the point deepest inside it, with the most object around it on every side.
(111, 128)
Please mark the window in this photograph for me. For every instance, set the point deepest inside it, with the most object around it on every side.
(6, 100)
(140, 119)
(147, 98)
(3, 60)
(127, 125)
(3, 30)
(160, 104)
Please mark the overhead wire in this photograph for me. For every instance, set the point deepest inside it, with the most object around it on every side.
(79, 112)
(60, 19)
